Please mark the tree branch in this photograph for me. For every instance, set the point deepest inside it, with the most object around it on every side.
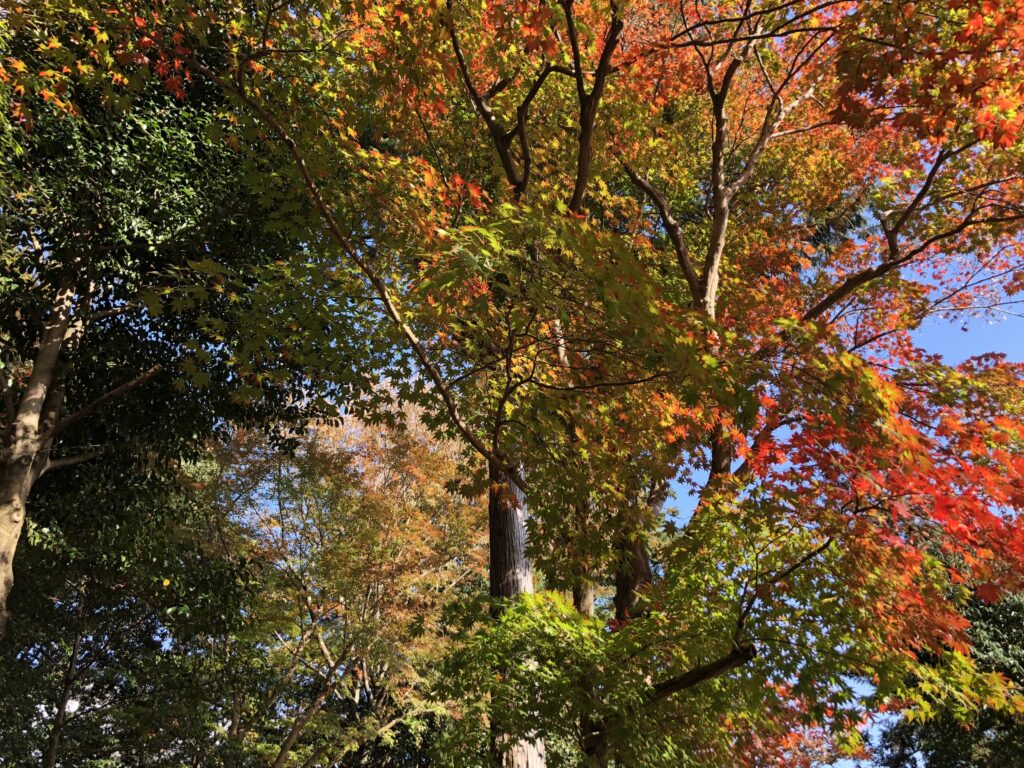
(99, 403)
(378, 283)
(500, 138)
(675, 232)
(70, 461)
(738, 656)
(589, 102)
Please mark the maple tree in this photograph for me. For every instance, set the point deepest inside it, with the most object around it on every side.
(993, 738)
(614, 247)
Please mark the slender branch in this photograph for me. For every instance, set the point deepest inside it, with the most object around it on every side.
(675, 232)
(103, 314)
(500, 138)
(599, 384)
(574, 46)
(70, 461)
(801, 562)
(853, 282)
(100, 402)
(378, 283)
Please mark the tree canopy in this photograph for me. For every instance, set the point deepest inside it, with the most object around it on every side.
(641, 280)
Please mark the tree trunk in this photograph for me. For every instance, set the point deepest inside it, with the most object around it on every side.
(21, 459)
(633, 571)
(17, 476)
(631, 575)
(525, 754)
(511, 572)
(12, 519)
(70, 674)
(583, 597)
(511, 575)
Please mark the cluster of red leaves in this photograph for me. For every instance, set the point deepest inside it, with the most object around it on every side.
(936, 66)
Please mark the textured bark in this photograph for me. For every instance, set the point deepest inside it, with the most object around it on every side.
(22, 456)
(511, 575)
(583, 597)
(511, 572)
(12, 519)
(36, 419)
(526, 754)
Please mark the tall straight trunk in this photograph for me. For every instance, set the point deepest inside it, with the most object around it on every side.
(511, 575)
(634, 570)
(511, 571)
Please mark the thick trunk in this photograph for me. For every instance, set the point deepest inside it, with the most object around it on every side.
(526, 754)
(23, 457)
(632, 574)
(583, 597)
(595, 745)
(511, 575)
(12, 519)
(511, 572)
(592, 740)
(17, 476)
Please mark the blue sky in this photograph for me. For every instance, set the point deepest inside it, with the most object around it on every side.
(947, 338)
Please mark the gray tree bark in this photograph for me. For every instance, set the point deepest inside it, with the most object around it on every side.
(511, 572)
(511, 575)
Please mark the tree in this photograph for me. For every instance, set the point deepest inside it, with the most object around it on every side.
(992, 737)
(360, 545)
(107, 661)
(132, 246)
(282, 607)
(615, 246)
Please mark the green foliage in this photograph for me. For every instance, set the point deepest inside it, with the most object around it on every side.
(992, 737)
(113, 614)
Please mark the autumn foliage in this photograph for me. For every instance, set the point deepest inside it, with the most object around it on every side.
(625, 251)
